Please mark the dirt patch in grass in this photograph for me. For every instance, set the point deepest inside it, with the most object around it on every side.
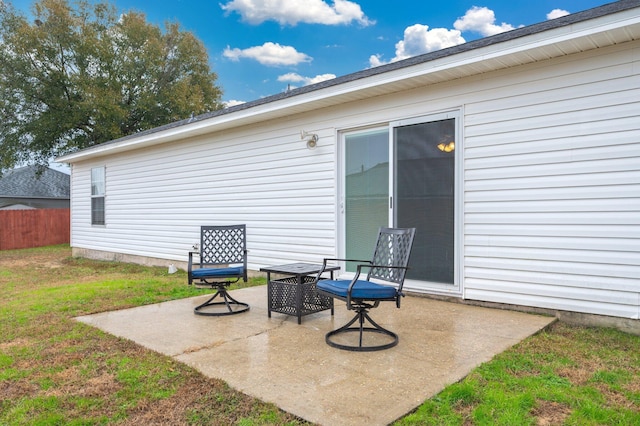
(14, 390)
(617, 399)
(22, 263)
(189, 400)
(33, 257)
(550, 413)
(19, 342)
(466, 413)
(578, 376)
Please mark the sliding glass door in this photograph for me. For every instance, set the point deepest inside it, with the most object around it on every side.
(424, 196)
(404, 175)
(366, 191)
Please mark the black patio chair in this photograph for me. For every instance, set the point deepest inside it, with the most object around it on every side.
(389, 265)
(223, 261)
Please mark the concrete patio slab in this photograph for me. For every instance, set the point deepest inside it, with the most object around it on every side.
(279, 361)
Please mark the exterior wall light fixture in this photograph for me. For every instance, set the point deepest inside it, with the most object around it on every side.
(311, 138)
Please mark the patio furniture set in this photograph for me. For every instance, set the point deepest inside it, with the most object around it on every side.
(300, 289)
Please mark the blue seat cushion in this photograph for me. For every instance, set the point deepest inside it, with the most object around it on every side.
(236, 271)
(365, 290)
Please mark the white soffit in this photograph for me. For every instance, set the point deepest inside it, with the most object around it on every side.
(578, 37)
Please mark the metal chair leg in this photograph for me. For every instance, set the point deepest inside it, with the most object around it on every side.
(361, 316)
(231, 304)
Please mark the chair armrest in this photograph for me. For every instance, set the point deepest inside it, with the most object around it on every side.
(191, 253)
(386, 266)
(190, 265)
(346, 260)
(326, 259)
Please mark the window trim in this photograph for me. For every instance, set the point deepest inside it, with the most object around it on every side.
(98, 191)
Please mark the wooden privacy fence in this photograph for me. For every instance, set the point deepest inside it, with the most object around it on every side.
(33, 228)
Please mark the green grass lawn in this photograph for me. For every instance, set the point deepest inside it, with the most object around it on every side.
(55, 370)
(565, 375)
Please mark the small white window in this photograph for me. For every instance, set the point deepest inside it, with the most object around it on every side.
(97, 195)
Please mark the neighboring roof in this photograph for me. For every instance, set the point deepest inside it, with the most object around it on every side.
(24, 183)
(606, 25)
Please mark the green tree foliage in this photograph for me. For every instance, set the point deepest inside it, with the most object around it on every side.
(81, 75)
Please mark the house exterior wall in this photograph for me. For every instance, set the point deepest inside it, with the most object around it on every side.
(156, 200)
(552, 194)
(550, 184)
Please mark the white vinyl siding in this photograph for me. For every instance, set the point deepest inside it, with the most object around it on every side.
(159, 198)
(552, 190)
(550, 183)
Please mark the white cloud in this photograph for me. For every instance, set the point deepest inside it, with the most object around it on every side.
(292, 12)
(376, 60)
(232, 102)
(271, 54)
(419, 39)
(557, 13)
(297, 78)
(481, 20)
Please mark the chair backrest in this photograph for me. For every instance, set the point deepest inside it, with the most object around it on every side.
(223, 245)
(393, 248)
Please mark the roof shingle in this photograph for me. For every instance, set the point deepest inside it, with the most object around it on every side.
(24, 182)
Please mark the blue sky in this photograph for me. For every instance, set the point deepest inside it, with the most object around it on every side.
(260, 47)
